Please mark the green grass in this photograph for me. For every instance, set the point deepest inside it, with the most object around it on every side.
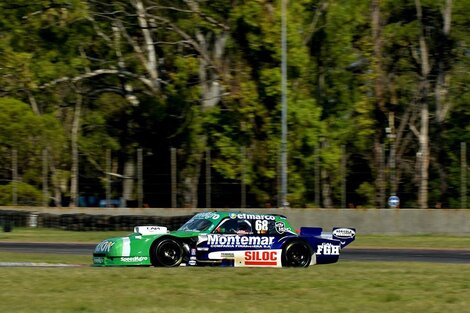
(348, 286)
(343, 287)
(24, 234)
(85, 260)
(412, 241)
(362, 241)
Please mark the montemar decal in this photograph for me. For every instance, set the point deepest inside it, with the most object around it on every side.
(221, 241)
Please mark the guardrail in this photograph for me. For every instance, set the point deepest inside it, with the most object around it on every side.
(366, 221)
(85, 222)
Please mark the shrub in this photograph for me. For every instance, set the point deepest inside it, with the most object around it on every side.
(26, 194)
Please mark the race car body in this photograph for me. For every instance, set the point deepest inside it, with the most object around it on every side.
(227, 239)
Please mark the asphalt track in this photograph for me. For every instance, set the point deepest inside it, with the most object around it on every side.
(353, 254)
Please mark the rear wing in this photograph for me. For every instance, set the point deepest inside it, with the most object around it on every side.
(344, 234)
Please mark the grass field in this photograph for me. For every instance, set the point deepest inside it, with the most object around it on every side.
(366, 287)
(348, 286)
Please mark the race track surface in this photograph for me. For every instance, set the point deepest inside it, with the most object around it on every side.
(353, 254)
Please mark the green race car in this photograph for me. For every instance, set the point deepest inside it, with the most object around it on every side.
(227, 239)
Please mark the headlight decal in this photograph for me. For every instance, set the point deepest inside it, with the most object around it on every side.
(126, 246)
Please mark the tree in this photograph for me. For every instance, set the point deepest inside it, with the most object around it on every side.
(28, 134)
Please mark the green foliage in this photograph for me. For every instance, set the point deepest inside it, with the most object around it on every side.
(26, 194)
(367, 192)
(333, 68)
(29, 135)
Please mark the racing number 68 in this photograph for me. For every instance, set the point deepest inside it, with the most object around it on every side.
(261, 225)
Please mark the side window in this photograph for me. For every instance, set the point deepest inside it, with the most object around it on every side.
(244, 228)
(234, 226)
(228, 226)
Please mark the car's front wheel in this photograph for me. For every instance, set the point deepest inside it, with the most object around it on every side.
(296, 254)
(167, 252)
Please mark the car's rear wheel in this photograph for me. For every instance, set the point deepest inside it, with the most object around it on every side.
(296, 254)
(167, 252)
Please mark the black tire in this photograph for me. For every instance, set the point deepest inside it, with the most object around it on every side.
(296, 253)
(166, 252)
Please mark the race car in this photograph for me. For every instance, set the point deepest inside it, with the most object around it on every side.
(227, 239)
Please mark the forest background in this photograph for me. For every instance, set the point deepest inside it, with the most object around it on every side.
(94, 92)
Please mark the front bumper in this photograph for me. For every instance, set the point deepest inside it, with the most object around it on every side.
(118, 252)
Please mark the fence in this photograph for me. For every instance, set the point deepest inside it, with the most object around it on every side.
(366, 221)
(86, 222)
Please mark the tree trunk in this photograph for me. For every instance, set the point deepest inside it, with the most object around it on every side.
(50, 159)
(379, 155)
(442, 82)
(424, 114)
(424, 155)
(151, 55)
(191, 174)
(325, 182)
(74, 143)
(379, 88)
(379, 85)
(211, 93)
(128, 181)
(441, 93)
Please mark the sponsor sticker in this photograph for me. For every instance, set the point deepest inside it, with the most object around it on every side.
(261, 258)
(235, 241)
(207, 215)
(245, 216)
(150, 230)
(229, 255)
(104, 246)
(280, 227)
(134, 259)
(328, 249)
(344, 233)
(98, 260)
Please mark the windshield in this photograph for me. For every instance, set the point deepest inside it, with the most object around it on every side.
(196, 225)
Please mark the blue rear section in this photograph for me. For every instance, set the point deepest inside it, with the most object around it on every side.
(327, 246)
(310, 231)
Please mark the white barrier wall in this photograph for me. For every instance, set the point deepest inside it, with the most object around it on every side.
(382, 221)
(387, 221)
(366, 221)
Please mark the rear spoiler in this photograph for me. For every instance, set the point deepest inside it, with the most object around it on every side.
(344, 234)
